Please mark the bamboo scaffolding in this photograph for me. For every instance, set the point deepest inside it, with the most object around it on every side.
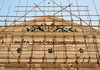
(65, 47)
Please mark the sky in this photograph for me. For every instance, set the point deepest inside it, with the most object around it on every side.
(10, 5)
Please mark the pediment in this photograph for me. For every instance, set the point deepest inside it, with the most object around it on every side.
(50, 21)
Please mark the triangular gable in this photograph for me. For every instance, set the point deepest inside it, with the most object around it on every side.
(48, 20)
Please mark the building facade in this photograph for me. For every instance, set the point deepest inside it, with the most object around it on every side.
(49, 43)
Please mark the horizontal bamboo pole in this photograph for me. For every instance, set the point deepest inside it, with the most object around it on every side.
(53, 67)
(47, 62)
(61, 25)
(50, 11)
(51, 6)
(43, 21)
(68, 51)
(49, 58)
